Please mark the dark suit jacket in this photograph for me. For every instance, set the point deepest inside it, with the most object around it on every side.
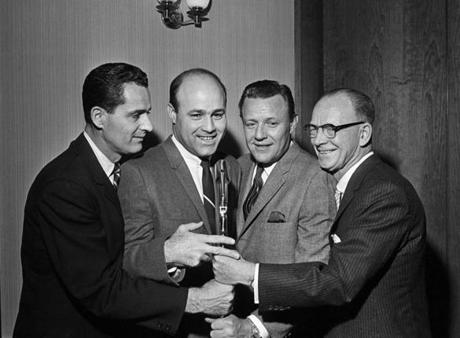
(374, 283)
(290, 220)
(72, 255)
(157, 194)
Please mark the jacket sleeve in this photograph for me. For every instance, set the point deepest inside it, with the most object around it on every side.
(372, 229)
(83, 235)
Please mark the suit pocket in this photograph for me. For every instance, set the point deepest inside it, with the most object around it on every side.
(276, 217)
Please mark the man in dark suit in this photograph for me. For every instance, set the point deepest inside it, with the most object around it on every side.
(73, 236)
(166, 187)
(288, 217)
(374, 283)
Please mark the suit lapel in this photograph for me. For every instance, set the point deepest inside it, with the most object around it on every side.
(355, 182)
(275, 181)
(183, 175)
(102, 182)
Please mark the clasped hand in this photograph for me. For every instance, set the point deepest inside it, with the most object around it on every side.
(230, 327)
(228, 270)
(212, 298)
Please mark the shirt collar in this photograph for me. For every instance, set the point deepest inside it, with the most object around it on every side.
(103, 160)
(343, 182)
(186, 155)
(267, 170)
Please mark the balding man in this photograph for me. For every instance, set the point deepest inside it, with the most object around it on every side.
(173, 184)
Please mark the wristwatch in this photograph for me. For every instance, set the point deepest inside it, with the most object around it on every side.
(254, 331)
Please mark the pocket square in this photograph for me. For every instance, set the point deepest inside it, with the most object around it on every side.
(276, 217)
(336, 239)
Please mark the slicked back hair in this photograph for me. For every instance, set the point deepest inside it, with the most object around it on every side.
(104, 86)
(179, 79)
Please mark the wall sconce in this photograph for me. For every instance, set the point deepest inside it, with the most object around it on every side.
(173, 18)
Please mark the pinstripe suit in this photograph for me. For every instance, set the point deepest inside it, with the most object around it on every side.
(373, 285)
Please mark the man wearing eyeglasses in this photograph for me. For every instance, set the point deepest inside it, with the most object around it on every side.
(374, 283)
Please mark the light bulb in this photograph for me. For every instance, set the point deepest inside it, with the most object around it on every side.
(197, 3)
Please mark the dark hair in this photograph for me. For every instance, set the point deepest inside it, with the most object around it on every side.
(362, 103)
(104, 86)
(176, 83)
(265, 89)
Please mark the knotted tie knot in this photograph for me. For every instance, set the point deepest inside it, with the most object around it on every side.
(116, 172)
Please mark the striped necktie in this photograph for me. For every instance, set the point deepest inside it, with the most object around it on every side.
(116, 175)
(208, 195)
(253, 192)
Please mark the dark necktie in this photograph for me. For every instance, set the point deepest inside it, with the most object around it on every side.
(116, 175)
(254, 192)
(208, 195)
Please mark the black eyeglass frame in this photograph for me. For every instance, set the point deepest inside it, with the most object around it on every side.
(329, 128)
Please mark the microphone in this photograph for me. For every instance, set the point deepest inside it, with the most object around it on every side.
(222, 181)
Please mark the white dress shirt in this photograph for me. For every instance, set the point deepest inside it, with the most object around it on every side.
(193, 163)
(343, 182)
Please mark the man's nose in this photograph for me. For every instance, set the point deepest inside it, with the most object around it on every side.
(260, 132)
(320, 138)
(146, 124)
(208, 124)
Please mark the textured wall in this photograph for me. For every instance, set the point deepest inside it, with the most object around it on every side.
(47, 48)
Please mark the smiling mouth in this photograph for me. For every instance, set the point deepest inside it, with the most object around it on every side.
(325, 151)
(207, 138)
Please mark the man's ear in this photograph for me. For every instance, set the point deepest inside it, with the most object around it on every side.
(98, 117)
(293, 124)
(172, 113)
(365, 134)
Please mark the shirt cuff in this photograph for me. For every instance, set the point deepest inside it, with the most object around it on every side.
(260, 326)
(174, 273)
(255, 284)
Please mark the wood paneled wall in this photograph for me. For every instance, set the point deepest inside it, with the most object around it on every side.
(406, 55)
(453, 169)
(48, 47)
(308, 63)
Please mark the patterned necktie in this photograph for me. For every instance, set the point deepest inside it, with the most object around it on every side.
(338, 198)
(208, 195)
(116, 175)
(254, 192)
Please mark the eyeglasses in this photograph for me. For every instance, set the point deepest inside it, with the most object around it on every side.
(328, 129)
